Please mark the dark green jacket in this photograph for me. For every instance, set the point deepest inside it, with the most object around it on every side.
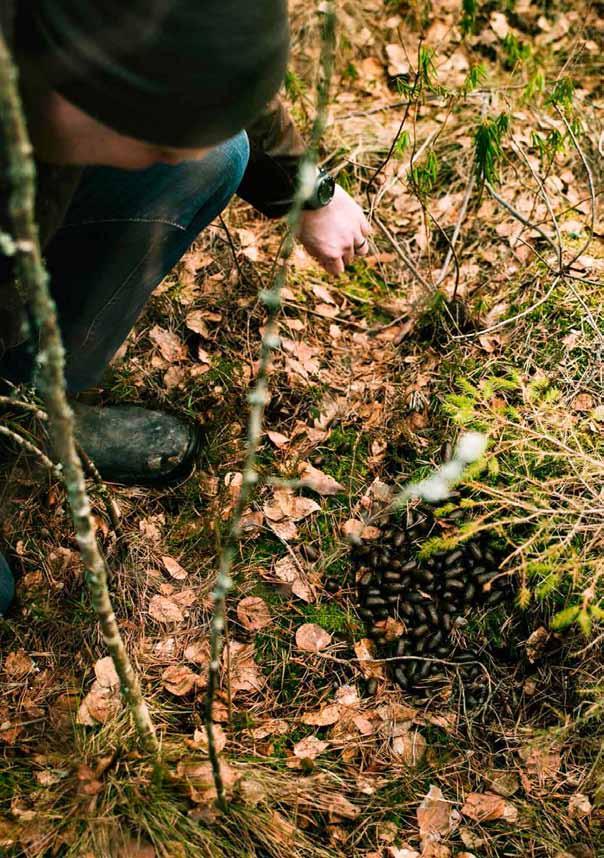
(268, 185)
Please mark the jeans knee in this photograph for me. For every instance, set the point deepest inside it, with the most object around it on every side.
(235, 154)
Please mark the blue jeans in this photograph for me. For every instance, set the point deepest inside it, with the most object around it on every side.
(122, 233)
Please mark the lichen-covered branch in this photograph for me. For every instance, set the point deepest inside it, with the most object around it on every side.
(257, 398)
(33, 280)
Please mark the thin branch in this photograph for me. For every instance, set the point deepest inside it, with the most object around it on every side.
(34, 279)
(258, 399)
(516, 214)
(31, 448)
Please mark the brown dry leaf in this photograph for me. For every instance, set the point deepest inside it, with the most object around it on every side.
(198, 652)
(312, 638)
(179, 680)
(18, 664)
(170, 345)
(355, 529)
(174, 376)
(272, 727)
(100, 705)
(583, 402)
(195, 321)
(579, 806)
(409, 747)
(151, 527)
(136, 849)
(486, 806)
(278, 439)
(365, 654)
(286, 506)
(252, 521)
(322, 293)
(398, 62)
(199, 742)
(201, 781)
(185, 598)
(288, 572)
(309, 748)
(165, 610)
(434, 816)
(503, 783)
(285, 530)
(253, 613)
(313, 478)
(394, 852)
(325, 717)
(541, 763)
(245, 674)
(173, 568)
(536, 644)
(88, 783)
(106, 673)
(499, 24)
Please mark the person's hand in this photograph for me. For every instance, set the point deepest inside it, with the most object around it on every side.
(335, 234)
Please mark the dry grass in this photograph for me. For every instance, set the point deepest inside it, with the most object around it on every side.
(389, 376)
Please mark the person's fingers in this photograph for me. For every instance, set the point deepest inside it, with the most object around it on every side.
(348, 255)
(333, 266)
(361, 246)
(365, 226)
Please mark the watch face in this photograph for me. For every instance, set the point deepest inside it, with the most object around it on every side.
(325, 190)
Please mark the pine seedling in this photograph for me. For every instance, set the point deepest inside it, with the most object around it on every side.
(401, 145)
(476, 76)
(488, 150)
(423, 177)
(469, 10)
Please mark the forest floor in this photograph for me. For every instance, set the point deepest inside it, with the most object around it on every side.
(323, 754)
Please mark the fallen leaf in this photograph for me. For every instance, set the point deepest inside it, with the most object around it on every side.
(287, 571)
(312, 638)
(487, 806)
(499, 24)
(541, 763)
(106, 673)
(165, 610)
(309, 748)
(364, 652)
(409, 748)
(398, 62)
(354, 529)
(582, 402)
(100, 705)
(245, 673)
(18, 664)
(271, 727)
(278, 439)
(198, 652)
(536, 644)
(325, 717)
(179, 680)
(199, 742)
(503, 783)
(170, 345)
(434, 816)
(313, 478)
(285, 530)
(253, 613)
(195, 321)
(287, 506)
(88, 783)
(173, 568)
(579, 806)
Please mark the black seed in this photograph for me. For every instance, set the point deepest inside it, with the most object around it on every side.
(331, 585)
(495, 598)
(432, 614)
(310, 552)
(374, 558)
(454, 572)
(395, 564)
(420, 631)
(425, 575)
(385, 558)
(443, 652)
(401, 646)
(415, 598)
(392, 576)
(455, 584)
(394, 588)
(374, 591)
(366, 579)
(410, 565)
(421, 646)
(407, 610)
(381, 613)
(452, 558)
(490, 557)
(470, 592)
(364, 614)
(436, 640)
(371, 686)
(401, 678)
(393, 599)
(486, 577)
(446, 622)
(421, 614)
(425, 670)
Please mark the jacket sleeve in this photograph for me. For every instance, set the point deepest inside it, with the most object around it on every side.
(276, 147)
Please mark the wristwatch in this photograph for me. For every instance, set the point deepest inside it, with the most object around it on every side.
(323, 191)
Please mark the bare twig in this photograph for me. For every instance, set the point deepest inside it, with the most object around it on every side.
(31, 448)
(516, 214)
(34, 280)
(258, 398)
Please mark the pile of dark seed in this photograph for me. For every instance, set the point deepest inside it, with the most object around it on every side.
(431, 597)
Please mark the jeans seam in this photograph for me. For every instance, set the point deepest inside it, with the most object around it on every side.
(118, 291)
(124, 220)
